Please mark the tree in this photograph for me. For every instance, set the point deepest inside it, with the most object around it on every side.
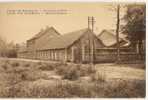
(7, 49)
(12, 49)
(3, 46)
(135, 19)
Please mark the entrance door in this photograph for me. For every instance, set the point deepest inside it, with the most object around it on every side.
(77, 55)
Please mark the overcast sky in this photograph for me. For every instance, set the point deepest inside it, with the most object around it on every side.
(20, 27)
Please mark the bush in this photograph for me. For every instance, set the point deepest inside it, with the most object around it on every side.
(39, 63)
(59, 90)
(26, 64)
(31, 75)
(46, 66)
(4, 66)
(49, 66)
(20, 69)
(6, 61)
(68, 72)
(72, 74)
(15, 64)
(75, 89)
(13, 78)
(61, 70)
(86, 70)
(67, 89)
(12, 53)
(98, 77)
(125, 89)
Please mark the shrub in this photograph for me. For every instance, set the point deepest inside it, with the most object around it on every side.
(13, 78)
(86, 70)
(61, 70)
(72, 74)
(26, 65)
(74, 89)
(91, 69)
(7, 62)
(4, 66)
(39, 63)
(15, 64)
(125, 89)
(49, 66)
(20, 69)
(59, 90)
(68, 72)
(4, 92)
(46, 66)
(31, 75)
(58, 64)
(98, 77)
(67, 89)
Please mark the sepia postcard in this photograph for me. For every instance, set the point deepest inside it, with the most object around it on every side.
(72, 49)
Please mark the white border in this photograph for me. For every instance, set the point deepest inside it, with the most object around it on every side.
(129, 1)
(73, 1)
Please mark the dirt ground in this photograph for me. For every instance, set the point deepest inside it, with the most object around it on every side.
(121, 71)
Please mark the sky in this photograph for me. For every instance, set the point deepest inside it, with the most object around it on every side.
(17, 24)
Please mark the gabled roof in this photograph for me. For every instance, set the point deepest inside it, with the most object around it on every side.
(42, 32)
(108, 37)
(64, 41)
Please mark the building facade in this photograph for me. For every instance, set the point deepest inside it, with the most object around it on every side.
(80, 46)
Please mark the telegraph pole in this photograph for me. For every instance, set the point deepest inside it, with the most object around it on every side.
(93, 21)
(88, 22)
(117, 33)
(91, 43)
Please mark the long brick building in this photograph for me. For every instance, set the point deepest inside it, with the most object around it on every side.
(78, 46)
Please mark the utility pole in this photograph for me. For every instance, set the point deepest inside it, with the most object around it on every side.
(88, 22)
(91, 43)
(91, 21)
(117, 32)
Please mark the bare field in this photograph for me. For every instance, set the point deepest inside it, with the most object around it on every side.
(30, 78)
(123, 71)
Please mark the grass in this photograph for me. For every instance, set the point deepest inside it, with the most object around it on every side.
(26, 65)
(73, 89)
(26, 79)
(46, 66)
(125, 89)
(73, 72)
(15, 64)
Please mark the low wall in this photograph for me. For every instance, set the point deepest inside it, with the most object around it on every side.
(113, 57)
